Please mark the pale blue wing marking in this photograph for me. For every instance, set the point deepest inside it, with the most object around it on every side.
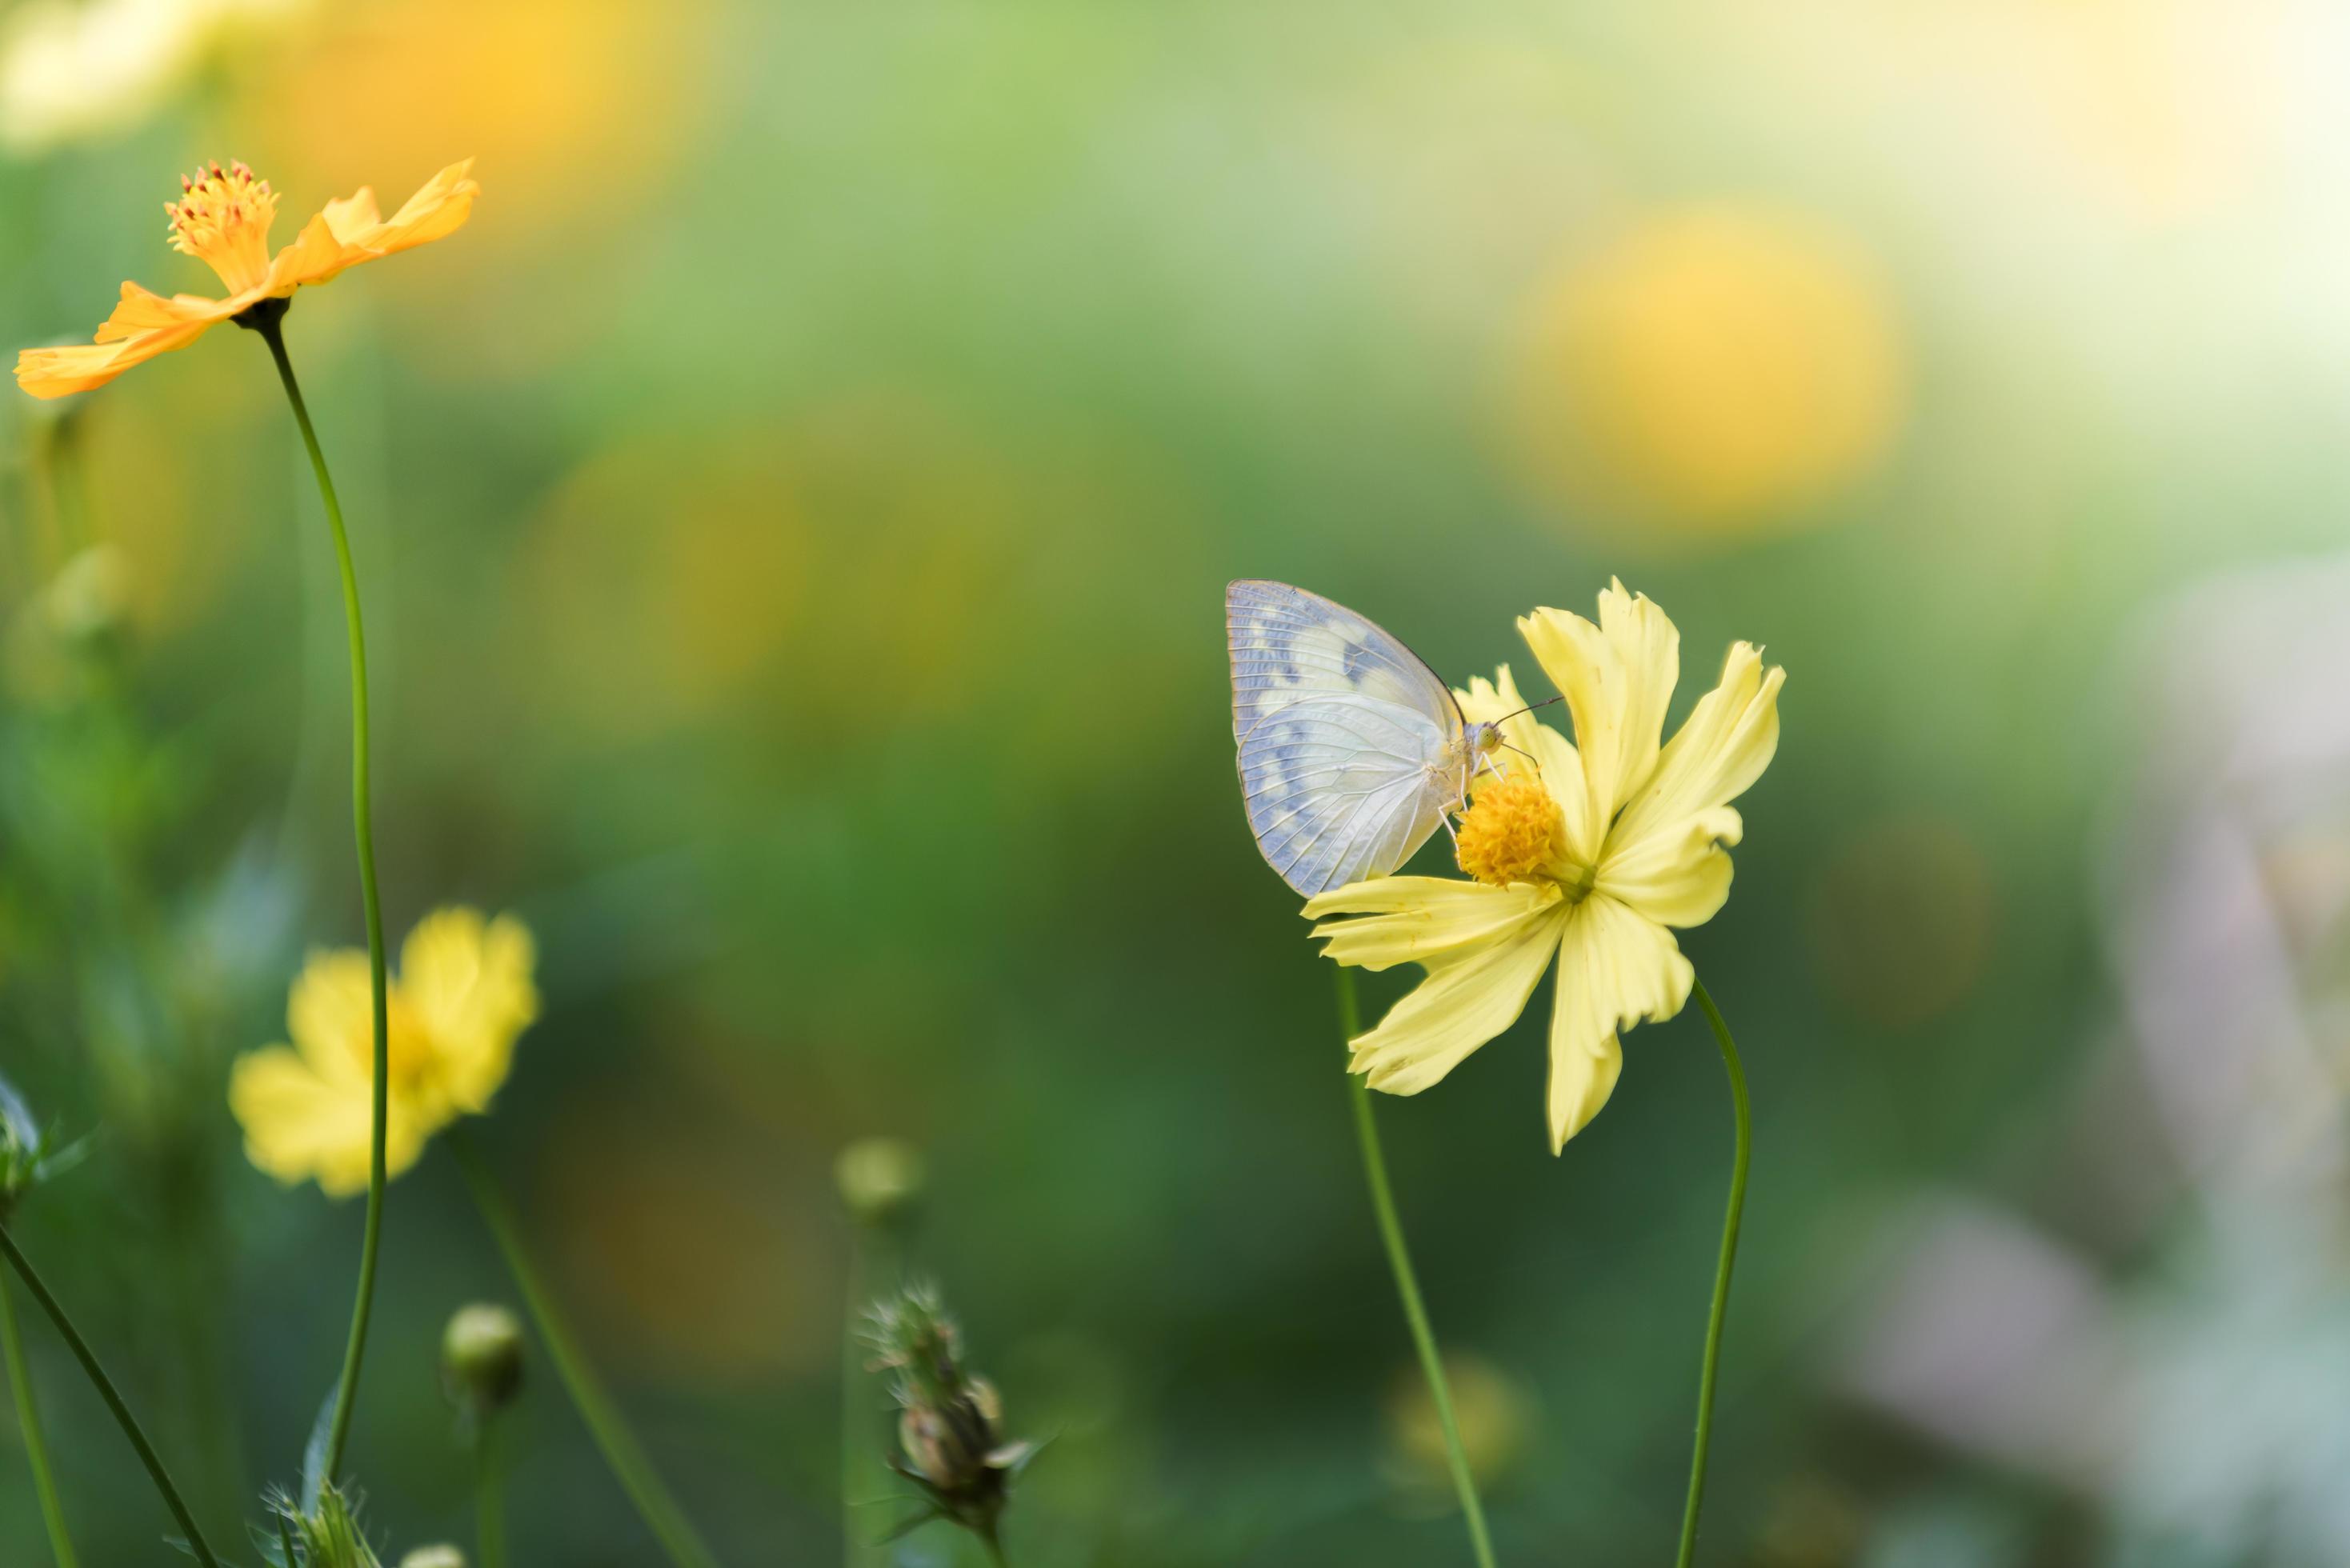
(1288, 645)
(1342, 788)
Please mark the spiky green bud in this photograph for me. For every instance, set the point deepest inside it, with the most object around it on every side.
(950, 1420)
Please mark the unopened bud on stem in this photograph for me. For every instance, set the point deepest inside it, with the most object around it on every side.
(481, 1359)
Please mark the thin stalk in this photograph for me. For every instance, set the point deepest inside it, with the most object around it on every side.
(614, 1440)
(268, 323)
(489, 1498)
(872, 1269)
(36, 1445)
(1423, 1338)
(105, 1391)
(1720, 1312)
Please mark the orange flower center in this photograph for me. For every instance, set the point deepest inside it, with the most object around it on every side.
(223, 220)
(1515, 833)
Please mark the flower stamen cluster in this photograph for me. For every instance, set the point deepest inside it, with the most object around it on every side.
(1514, 832)
(223, 219)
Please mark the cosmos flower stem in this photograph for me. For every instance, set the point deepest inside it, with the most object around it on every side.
(270, 324)
(489, 1499)
(1722, 1271)
(1415, 1312)
(618, 1446)
(36, 1445)
(105, 1391)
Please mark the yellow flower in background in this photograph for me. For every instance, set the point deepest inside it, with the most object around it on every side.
(1585, 853)
(223, 219)
(69, 71)
(462, 996)
(1716, 371)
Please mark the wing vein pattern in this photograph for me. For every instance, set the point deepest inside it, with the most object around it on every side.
(1348, 744)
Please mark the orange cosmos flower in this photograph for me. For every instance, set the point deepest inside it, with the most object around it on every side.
(223, 220)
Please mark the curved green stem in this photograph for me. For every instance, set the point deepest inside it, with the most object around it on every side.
(268, 323)
(36, 1445)
(618, 1446)
(1415, 1312)
(1722, 1271)
(105, 1391)
(489, 1498)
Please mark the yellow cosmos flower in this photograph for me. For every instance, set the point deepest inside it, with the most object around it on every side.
(223, 219)
(462, 996)
(1585, 853)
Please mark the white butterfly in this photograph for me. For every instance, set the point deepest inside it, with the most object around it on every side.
(1352, 750)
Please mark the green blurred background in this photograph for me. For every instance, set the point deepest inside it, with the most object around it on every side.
(794, 516)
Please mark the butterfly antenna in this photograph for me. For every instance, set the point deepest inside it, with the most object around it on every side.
(1529, 708)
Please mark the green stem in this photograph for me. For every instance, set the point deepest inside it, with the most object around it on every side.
(1415, 1312)
(1722, 1272)
(489, 1498)
(871, 1268)
(36, 1445)
(105, 1391)
(267, 323)
(618, 1446)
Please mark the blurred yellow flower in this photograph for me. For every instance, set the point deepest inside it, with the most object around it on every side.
(69, 71)
(223, 219)
(1712, 371)
(1586, 853)
(462, 996)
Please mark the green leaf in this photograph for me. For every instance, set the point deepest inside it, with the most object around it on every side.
(314, 1454)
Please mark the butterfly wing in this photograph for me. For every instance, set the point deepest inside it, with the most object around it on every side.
(1341, 788)
(1288, 644)
(1344, 735)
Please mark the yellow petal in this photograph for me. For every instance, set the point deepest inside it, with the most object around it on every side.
(301, 1126)
(467, 984)
(143, 325)
(1472, 994)
(1413, 919)
(330, 1015)
(348, 230)
(1680, 877)
(143, 310)
(1722, 748)
(1617, 676)
(1614, 969)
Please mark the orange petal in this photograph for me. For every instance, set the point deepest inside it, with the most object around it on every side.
(315, 256)
(56, 372)
(350, 231)
(353, 215)
(144, 311)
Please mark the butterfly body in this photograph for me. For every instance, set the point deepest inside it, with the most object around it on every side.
(1351, 749)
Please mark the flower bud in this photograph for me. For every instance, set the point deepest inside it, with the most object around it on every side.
(27, 1156)
(481, 1359)
(950, 1420)
(440, 1557)
(881, 1180)
(330, 1534)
